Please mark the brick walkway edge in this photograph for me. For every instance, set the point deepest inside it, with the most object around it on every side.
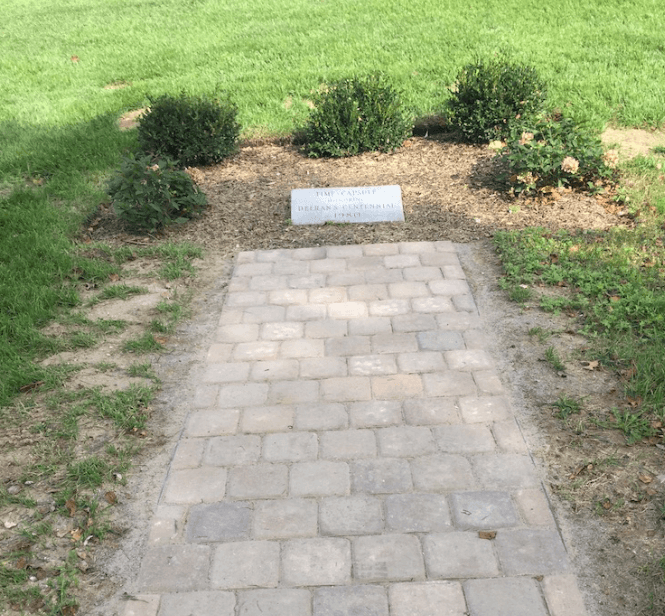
(351, 451)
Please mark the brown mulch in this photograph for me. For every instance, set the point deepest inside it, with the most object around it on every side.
(449, 192)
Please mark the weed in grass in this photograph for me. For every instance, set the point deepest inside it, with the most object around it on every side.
(634, 426)
(88, 473)
(144, 344)
(552, 357)
(107, 326)
(520, 294)
(159, 327)
(542, 334)
(105, 366)
(566, 406)
(128, 409)
(175, 310)
(176, 269)
(143, 370)
(120, 291)
(82, 340)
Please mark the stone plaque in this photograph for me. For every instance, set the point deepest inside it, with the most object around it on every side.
(315, 206)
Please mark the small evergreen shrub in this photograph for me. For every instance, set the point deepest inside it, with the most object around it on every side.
(361, 114)
(189, 129)
(149, 194)
(555, 153)
(492, 96)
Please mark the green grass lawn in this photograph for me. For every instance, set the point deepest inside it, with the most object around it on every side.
(604, 61)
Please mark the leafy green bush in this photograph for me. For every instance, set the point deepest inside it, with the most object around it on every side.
(148, 195)
(361, 114)
(492, 96)
(190, 129)
(555, 153)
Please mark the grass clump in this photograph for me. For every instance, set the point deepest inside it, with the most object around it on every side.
(149, 195)
(359, 114)
(493, 96)
(192, 130)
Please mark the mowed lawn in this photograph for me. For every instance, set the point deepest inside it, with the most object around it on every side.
(68, 69)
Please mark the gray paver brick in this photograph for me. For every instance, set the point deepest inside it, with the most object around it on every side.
(394, 343)
(431, 411)
(202, 603)
(189, 453)
(168, 568)
(253, 269)
(514, 596)
(328, 266)
(389, 307)
(287, 297)
(406, 289)
(275, 370)
(212, 422)
(348, 444)
(440, 341)
(321, 416)
(263, 314)
(348, 310)
(290, 447)
(442, 472)
(323, 367)
(534, 507)
(423, 273)
(351, 515)
(286, 518)
(245, 564)
(531, 552)
(162, 531)
(448, 383)
(563, 596)
(427, 599)
(383, 275)
(362, 600)
(246, 298)
(487, 510)
(226, 372)
(387, 558)
(308, 312)
(439, 259)
(344, 252)
(402, 261)
(381, 476)
(293, 392)
(368, 292)
(349, 345)
(258, 481)
(328, 295)
(468, 359)
(303, 348)
(372, 364)
(458, 321)
(274, 602)
(263, 349)
(464, 438)
(233, 450)
(345, 279)
(316, 562)
(452, 272)
(433, 305)
(346, 389)
(291, 268)
(377, 413)
(366, 263)
(380, 250)
(219, 352)
(417, 513)
(245, 394)
(464, 303)
(285, 330)
(413, 322)
(320, 478)
(326, 328)
(309, 254)
(421, 362)
(218, 522)
(459, 555)
(397, 386)
(505, 470)
(509, 437)
(267, 418)
(484, 409)
(405, 441)
(488, 382)
(242, 332)
(267, 283)
(196, 485)
(205, 396)
(370, 326)
(313, 281)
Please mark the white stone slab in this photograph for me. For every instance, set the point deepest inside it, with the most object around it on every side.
(316, 206)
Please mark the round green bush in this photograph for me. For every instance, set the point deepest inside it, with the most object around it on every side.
(190, 129)
(360, 114)
(492, 96)
(148, 194)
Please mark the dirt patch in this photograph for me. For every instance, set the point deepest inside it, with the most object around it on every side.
(633, 142)
(130, 119)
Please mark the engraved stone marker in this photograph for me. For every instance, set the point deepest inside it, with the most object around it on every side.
(315, 206)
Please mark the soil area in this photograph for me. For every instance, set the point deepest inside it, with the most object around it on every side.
(608, 496)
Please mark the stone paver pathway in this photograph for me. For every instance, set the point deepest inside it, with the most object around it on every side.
(351, 451)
